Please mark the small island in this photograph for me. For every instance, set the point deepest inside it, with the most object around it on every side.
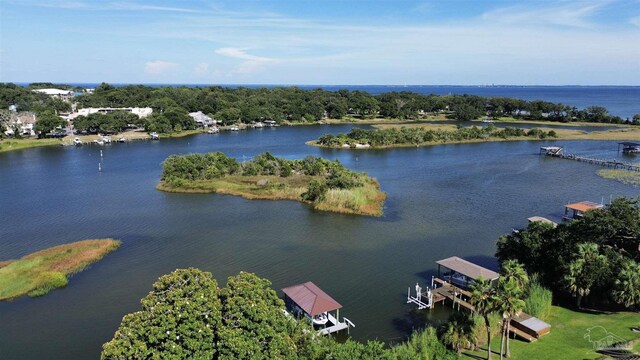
(38, 273)
(422, 136)
(325, 185)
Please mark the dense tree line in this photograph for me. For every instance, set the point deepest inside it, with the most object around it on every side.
(294, 104)
(113, 122)
(180, 169)
(27, 100)
(598, 254)
(187, 316)
(385, 137)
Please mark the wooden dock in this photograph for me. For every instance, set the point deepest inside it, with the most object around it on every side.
(558, 152)
(459, 298)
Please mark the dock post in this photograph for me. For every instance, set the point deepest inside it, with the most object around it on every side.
(432, 281)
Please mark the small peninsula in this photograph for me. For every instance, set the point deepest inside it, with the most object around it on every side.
(325, 185)
(38, 273)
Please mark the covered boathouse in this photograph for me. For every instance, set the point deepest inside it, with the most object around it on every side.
(578, 209)
(629, 147)
(315, 305)
(462, 273)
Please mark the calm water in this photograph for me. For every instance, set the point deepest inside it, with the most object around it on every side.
(442, 201)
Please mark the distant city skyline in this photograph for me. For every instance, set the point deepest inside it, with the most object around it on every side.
(321, 42)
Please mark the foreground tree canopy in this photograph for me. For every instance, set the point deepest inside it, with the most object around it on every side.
(187, 316)
(598, 254)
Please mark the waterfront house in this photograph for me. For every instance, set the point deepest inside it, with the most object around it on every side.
(202, 120)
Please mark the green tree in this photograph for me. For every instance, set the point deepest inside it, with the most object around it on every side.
(508, 297)
(584, 271)
(484, 302)
(46, 122)
(627, 286)
(253, 325)
(458, 333)
(178, 320)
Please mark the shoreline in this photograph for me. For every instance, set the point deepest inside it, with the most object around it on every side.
(630, 133)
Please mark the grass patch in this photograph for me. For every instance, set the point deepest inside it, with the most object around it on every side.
(364, 200)
(38, 273)
(19, 144)
(623, 176)
(567, 337)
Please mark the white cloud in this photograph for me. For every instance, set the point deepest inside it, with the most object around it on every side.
(635, 21)
(159, 67)
(569, 14)
(251, 63)
(144, 7)
(201, 69)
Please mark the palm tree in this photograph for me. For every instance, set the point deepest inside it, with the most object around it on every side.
(458, 332)
(513, 269)
(508, 299)
(584, 271)
(627, 286)
(483, 301)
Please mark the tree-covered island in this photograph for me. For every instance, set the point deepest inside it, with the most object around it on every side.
(417, 136)
(325, 185)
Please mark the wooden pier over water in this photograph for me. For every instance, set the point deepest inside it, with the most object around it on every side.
(558, 152)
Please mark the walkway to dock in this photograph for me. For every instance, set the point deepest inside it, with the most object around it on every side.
(558, 152)
(459, 298)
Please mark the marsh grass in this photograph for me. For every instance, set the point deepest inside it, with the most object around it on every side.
(623, 176)
(19, 144)
(362, 200)
(38, 273)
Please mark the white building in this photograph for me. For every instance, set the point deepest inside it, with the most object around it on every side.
(202, 120)
(140, 112)
(57, 93)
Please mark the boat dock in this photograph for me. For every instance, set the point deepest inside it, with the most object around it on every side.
(558, 152)
(310, 302)
(452, 283)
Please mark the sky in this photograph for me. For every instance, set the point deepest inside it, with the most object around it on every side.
(322, 42)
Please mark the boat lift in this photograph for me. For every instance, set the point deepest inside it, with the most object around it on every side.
(418, 298)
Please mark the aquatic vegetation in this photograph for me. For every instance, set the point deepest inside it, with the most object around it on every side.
(623, 176)
(38, 273)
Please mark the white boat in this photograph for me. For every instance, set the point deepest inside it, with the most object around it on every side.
(487, 120)
(320, 319)
(98, 141)
(121, 140)
(106, 139)
(270, 123)
(154, 136)
(234, 128)
(77, 142)
(213, 130)
(258, 125)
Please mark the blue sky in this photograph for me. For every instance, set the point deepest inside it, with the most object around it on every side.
(470, 42)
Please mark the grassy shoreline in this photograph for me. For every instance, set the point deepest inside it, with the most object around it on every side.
(365, 200)
(568, 337)
(38, 273)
